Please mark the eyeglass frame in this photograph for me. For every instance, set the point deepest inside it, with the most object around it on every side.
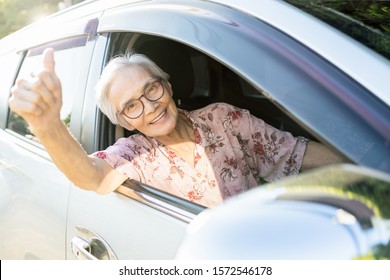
(161, 81)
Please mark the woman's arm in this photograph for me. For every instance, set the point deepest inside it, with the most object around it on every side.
(39, 102)
(86, 172)
(317, 155)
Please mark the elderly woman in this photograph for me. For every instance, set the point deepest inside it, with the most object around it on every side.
(205, 155)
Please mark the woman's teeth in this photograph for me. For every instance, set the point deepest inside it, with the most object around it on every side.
(158, 118)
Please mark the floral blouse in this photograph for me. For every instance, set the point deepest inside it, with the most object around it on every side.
(233, 151)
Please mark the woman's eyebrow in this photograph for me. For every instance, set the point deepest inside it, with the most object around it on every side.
(146, 85)
(143, 89)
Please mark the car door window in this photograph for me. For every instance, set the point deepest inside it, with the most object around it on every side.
(197, 80)
(68, 53)
(9, 64)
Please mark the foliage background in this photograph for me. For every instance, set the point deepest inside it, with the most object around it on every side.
(367, 21)
(14, 14)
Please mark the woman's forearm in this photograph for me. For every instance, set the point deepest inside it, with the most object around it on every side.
(317, 155)
(69, 156)
(39, 102)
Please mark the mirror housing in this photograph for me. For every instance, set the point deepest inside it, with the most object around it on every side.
(335, 212)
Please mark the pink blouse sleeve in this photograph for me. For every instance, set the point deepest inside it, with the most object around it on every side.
(275, 153)
(121, 157)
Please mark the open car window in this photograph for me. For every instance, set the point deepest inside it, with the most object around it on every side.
(197, 80)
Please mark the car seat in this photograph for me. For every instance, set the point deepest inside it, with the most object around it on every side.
(174, 58)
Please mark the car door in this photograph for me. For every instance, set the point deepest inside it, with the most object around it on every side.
(34, 193)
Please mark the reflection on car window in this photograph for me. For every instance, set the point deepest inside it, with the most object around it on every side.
(8, 67)
(367, 21)
(67, 70)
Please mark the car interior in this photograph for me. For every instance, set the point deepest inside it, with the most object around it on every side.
(197, 80)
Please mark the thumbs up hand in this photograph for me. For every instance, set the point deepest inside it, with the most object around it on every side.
(39, 100)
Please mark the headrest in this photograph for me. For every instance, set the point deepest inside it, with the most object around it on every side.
(174, 59)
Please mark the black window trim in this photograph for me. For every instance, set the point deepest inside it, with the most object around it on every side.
(169, 204)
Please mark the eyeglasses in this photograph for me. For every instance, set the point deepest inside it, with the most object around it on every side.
(153, 91)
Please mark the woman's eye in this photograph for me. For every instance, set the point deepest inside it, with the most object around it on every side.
(131, 106)
(151, 89)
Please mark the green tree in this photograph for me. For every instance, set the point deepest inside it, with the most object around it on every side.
(367, 21)
(373, 13)
(15, 14)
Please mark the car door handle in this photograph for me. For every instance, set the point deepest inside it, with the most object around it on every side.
(82, 249)
(87, 245)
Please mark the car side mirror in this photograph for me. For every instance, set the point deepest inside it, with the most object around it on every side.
(335, 212)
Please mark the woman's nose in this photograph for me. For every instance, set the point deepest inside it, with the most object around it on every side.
(149, 106)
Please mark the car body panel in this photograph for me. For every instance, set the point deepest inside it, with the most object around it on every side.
(140, 232)
(34, 199)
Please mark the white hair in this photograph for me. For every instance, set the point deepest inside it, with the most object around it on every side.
(111, 70)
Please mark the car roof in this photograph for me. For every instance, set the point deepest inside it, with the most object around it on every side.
(356, 62)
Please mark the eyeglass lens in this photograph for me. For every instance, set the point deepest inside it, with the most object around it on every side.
(153, 92)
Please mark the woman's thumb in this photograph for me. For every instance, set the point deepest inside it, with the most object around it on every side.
(48, 60)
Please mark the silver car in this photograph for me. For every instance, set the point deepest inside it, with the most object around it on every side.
(277, 59)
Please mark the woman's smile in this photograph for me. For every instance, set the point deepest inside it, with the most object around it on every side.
(159, 117)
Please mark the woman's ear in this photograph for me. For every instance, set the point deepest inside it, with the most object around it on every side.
(125, 124)
(129, 127)
(170, 88)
